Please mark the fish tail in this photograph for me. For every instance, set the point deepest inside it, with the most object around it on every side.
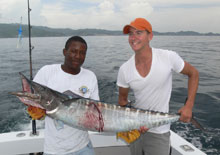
(195, 122)
(198, 125)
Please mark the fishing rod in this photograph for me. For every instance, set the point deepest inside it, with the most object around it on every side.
(34, 131)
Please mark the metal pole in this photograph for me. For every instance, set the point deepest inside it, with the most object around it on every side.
(34, 132)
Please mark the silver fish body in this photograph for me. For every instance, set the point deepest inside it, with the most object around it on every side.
(88, 114)
(102, 117)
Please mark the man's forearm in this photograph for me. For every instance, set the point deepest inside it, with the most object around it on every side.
(192, 88)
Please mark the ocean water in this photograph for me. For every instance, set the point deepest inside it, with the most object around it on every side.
(104, 56)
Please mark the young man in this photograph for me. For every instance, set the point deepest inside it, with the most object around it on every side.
(149, 74)
(61, 138)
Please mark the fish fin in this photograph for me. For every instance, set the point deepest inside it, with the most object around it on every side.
(72, 95)
(195, 122)
(25, 83)
(198, 125)
(69, 101)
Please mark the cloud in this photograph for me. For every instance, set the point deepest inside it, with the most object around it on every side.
(8, 9)
(107, 14)
(169, 15)
(183, 2)
(186, 19)
(12, 10)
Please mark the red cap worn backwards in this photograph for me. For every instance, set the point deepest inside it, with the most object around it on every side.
(139, 24)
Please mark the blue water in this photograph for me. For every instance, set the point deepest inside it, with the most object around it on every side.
(104, 56)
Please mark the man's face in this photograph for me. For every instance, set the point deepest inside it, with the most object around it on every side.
(138, 39)
(75, 55)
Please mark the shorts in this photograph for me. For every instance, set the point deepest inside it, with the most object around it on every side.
(151, 144)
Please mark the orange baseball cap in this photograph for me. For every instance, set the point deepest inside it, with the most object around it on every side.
(139, 24)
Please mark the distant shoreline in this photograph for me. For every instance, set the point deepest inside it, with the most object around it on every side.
(11, 31)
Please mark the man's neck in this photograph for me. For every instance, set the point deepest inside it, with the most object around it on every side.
(143, 55)
(143, 62)
(70, 70)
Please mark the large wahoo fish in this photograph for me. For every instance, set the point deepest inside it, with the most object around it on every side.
(87, 114)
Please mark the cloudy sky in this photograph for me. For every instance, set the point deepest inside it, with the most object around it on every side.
(165, 15)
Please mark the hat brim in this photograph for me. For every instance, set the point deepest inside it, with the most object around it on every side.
(127, 27)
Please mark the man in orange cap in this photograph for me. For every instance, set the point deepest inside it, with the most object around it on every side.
(149, 74)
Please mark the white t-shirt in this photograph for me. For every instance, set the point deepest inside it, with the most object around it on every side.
(153, 91)
(60, 138)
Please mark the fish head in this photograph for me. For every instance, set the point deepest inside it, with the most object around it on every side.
(37, 95)
(28, 98)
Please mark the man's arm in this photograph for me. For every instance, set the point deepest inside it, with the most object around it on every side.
(193, 81)
(123, 96)
(123, 100)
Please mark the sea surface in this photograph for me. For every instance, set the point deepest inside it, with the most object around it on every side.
(104, 56)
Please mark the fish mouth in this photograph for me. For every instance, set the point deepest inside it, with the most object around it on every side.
(28, 98)
(26, 94)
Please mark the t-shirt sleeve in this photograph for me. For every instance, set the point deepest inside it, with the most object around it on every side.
(121, 81)
(176, 61)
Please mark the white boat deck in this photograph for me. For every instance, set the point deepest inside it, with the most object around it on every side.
(24, 142)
